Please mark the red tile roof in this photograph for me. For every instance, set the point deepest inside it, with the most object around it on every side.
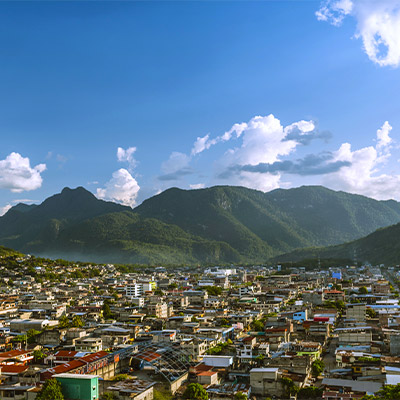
(65, 353)
(13, 369)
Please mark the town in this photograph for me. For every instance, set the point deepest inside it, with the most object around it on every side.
(111, 332)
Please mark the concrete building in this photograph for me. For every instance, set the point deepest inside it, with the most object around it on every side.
(89, 344)
(264, 382)
(356, 311)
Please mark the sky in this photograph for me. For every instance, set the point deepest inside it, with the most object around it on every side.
(130, 98)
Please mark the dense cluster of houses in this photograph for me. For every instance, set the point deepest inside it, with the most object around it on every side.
(256, 332)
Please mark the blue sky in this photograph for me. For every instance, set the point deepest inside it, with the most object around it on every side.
(314, 84)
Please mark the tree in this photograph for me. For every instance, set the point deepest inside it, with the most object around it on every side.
(257, 325)
(363, 290)
(240, 396)
(290, 387)
(63, 322)
(317, 367)
(107, 314)
(260, 359)
(340, 305)
(371, 313)
(77, 321)
(310, 392)
(388, 392)
(214, 290)
(38, 355)
(31, 335)
(195, 391)
(51, 390)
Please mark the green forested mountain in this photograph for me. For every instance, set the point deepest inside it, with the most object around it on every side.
(283, 219)
(221, 224)
(380, 247)
(6, 252)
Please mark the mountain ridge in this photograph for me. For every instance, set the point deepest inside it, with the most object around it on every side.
(221, 224)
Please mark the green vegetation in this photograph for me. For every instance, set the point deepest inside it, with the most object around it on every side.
(5, 252)
(77, 321)
(218, 349)
(216, 225)
(380, 247)
(371, 313)
(109, 396)
(257, 325)
(214, 290)
(363, 290)
(162, 395)
(369, 359)
(311, 392)
(195, 391)
(240, 396)
(317, 367)
(51, 390)
(119, 378)
(38, 355)
(289, 387)
(338, 305)
(388, 392)
(107, 314)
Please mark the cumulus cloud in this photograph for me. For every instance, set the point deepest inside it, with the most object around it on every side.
(176, 167)
(264, 141)
(17, 175)
(4, 209)
(382, 136)
(378, 25)
(261, 152)
(363, 174)
(121, 188)
(201, 144)
(126, 155)
(312, 164)
(304, 132)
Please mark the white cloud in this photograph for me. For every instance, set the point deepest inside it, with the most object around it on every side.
(382, 135)
(378, 25)
(121, 188)
(4, 209)
(364, 174)
(175, 162)
(17, 175)
(264, 140)
(197, 186)
(126, 155)
(176, 167)
(334, 11)
(201, 144)
(204, 143)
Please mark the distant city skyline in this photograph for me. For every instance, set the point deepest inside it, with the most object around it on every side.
(130, 98)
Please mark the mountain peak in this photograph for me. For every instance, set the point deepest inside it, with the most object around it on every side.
(78, 190)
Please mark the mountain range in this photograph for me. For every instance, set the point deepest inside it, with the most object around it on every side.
(221, 224)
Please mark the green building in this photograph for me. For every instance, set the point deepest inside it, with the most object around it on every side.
(79, 386)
